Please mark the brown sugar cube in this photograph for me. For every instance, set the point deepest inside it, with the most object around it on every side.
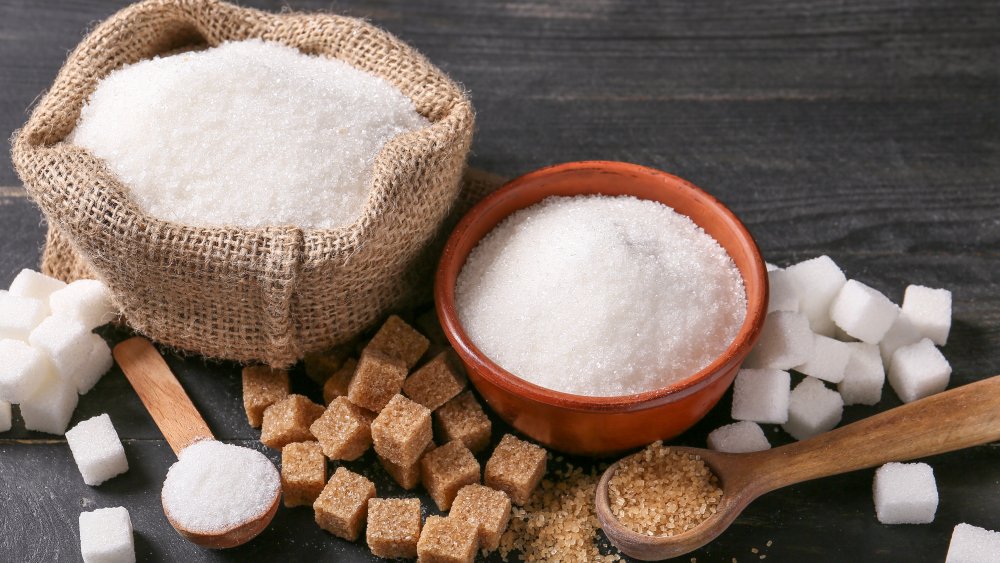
(402, 431)
(447, 469)
(487, 508)
(343, 430)
(435, 383)
(262, 387)
(319, 365)
(342, 507)
(447, 540)
(516, 467)
(406, 476)
(399, 340)
(288, 421)
(393, 527)
(462, 418)
(303, 473)
(336, 385)
(376, 380)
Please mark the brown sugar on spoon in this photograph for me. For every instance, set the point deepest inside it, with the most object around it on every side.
(662, 492)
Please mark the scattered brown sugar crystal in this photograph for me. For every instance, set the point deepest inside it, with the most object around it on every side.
(463, 419)
(406, 476)
(399, 340)
(402, 431)
(342, 507)
(393, 527)
(447, 540)
(336, 385)
(344, 430)
(662, 492)
(487, 508)
(319, 365)
(435, 383)
(447, 469)
(288, 421)
(262, 387)
(516, 467)
(303, 473)
(377, 379)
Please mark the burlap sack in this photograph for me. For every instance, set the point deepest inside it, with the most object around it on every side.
(270, 294)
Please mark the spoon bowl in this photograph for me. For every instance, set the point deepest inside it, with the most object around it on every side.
(230, 537)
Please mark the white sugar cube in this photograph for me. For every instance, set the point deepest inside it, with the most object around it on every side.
(30, 283)
(65, 341)
(761, 395)
(905, 493)
(901, 333)
(930, 311)
(97, 450)
(5, 416)
(23, 370)
(51, 407)
(828, 360)
(812, 409)
(863, 312)
(864, 375)
(842, 336)
(20, 315)
(92, 368)
(817, 282)
(88, 301)
(785, 342)
(739, 437)
(972, 544)
(106, 536)
(771, 267)
(783, 295)
(918, 370)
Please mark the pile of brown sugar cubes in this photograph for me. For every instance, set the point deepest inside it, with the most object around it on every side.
(376, 401)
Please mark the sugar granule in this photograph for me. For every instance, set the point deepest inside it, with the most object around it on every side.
(294, 136)
(622, 295)
(215, 486)
(663, 492)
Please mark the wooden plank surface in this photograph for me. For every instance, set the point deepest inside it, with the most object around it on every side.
(866, 130)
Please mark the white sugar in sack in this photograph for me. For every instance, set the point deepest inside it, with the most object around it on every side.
(248, 133)
(737, 438)
(92, 368)
(828, 361)
(87, 301)
(51, 407)
(901, 333)
(812, 409)
(972, 544)
(30, 283)
(65, 340)
(23, 370)
(918, 370)
(761, 395)
(905, 493)
(783, 295)
(600, 296)
(106, 536)
(817, 281)
(930, 311)
(864, 375)
(20, 315)
(6, 416)
(863, 312)
(97, 450)
(785, 341)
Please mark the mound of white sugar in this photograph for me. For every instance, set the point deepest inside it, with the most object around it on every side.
(247, 134)
(215, 486)
(600, 296)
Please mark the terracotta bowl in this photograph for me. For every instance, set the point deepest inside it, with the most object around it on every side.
(579, 424)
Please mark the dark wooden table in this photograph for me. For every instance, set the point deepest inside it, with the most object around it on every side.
(868, 130)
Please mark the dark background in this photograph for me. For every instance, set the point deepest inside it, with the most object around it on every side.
(866, 130)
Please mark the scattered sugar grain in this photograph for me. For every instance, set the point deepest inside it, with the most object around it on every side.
(97, 450)
(215, 486)
(972, 544)
(106, 536)
(622, 295)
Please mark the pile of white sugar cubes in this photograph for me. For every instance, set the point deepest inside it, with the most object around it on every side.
(50, 355)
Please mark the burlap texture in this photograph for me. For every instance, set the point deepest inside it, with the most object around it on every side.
(264, 295)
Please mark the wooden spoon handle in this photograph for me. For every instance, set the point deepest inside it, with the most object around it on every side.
(960, 418)
(161, 393)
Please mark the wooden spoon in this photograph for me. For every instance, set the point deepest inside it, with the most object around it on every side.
(963, 417)
(182, 426)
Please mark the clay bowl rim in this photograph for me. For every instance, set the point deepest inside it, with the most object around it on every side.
(449, 269)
